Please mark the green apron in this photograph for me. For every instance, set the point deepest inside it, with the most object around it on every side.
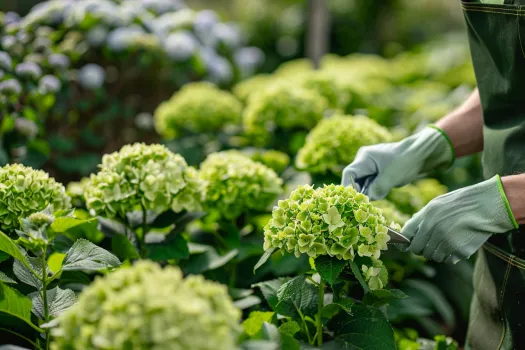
(497, 43)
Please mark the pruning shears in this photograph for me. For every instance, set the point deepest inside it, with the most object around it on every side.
(395, 237)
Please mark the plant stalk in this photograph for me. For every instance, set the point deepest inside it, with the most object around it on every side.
(44, 294)
(319, 318)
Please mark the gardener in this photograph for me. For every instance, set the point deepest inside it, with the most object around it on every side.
(484, 217)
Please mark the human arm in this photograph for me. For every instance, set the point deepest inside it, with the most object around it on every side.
(464, 126)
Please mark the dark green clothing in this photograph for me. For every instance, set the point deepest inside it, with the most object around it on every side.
(497, 43)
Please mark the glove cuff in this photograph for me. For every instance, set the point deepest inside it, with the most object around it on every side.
(437, 148)
(506, 201)
(450, 144)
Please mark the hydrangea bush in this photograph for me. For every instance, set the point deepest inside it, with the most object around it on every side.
(412, 198)
(236, 184)
(282, 107)
(148, 177)
(197, 108)
(25, 191)
(334, 142)
(147, 307)
(331, 220)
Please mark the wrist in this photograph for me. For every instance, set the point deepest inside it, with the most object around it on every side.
(514, 187)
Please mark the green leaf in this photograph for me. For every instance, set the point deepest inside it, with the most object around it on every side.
(6, 279)
(209, 260)
(123, 249)
(169, 247)
(270, 332)
(269, 290)
(55, 261)
(359, 276)
(63, 224)
(4, 256)
(299, 293)
(24, 274)
(238, 293)
(58, 300)
(253, 324)
(248, 302)
(365, 328)
(261, 345)
(12, 347)
(15, 309)
(290, 328)
(84, 255)
(264, 258)
(111, 227)
(8, 246)
(329, 268)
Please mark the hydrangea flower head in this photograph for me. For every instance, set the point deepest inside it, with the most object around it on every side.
(330, 220)
(25, 191)
(334, 142)
(236, 184)
(147, 307)
(143, 176)
(282, 106)
(197, 108)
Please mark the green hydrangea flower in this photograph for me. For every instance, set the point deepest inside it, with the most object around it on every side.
(147, 307)
(391, 213)
(334, 142)
(282, 106)
(76, 191)
(25, 191)
(330, 220)
(273, 159)
(376, 276)
(325, 85)
(147, 176)
(236, 184)
(197, 108)
(412, 198)
(251, 86)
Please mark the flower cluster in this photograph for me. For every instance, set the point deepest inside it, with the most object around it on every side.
(197, 108)
(76, 191)
(147, 307)
(273, 159)
(325, 85)
(25, 191)
(143, 176)
(334, 142)
(282, 106)
(412, 198)
(236, 184)
(330, 220)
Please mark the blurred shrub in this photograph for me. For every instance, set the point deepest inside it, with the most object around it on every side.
(80, 68)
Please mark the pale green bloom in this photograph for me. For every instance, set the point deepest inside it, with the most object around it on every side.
(412, 198)
(144, 176)
(147, 307)
(334, 142)
(236, 184)
(376, 275)
(197, 108)
(25, 191)
(282, 106)
(323, 221)
(276, 160)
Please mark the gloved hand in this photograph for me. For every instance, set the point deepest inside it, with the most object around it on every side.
(455, 225)
(385, 166)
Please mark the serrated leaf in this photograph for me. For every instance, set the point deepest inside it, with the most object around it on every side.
(6, 279)
(23, 273)
(123, 249)
(8, 246)
(253, 324)
(301, 294)
(264, 258)
(111, 227)
(15, 309)
(84, 255)
(329, 268)
(365, 328)
(63, 224)
(58, 300)
(290, 328)
(54, 262)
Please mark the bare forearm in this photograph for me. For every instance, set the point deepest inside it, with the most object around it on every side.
(514, 187)
(464, 126)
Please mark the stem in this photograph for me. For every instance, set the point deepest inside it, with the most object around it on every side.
(319, 318)
(144, 222)
(307, 331)
(44, 294)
